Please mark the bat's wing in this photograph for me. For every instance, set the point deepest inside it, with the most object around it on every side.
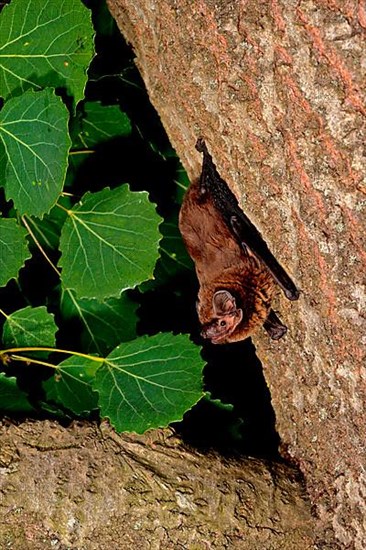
(240, 225)
(247, 234)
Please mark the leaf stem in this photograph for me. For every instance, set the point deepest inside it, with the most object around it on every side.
(63, 208)
(9, 353)
(3, 313)
(32, 360)
(82, 152)
(39, 246)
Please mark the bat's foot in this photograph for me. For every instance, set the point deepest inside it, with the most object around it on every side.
(201, 145)
(273, 325)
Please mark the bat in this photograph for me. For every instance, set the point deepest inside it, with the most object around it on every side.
(237, 272)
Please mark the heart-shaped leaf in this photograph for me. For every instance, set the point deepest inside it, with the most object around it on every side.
(30, 327)
(33, 129)
(45, 43)
(103, 324)
(12, 398)
(71, 385)
(13, 249)
(149, 382)
(173, 259)
(109, 243)
(98, 123)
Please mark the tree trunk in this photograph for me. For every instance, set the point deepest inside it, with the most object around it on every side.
(82, 488)
(276, 90)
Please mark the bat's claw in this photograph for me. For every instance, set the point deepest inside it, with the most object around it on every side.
(201, 145)
(292, 293)
(273, 325)
(278, 332)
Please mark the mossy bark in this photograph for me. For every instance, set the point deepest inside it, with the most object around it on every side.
(86, 488)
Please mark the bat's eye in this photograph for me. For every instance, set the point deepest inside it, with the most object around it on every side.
(222, 323)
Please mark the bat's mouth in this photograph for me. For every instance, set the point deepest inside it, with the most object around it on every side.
(214, 338)
(217, 339)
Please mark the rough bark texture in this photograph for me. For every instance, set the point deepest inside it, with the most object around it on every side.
(82, 488)
(275, 87)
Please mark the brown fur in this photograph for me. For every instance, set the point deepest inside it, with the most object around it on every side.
(223, 265)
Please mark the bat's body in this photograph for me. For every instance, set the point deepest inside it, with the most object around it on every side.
(236, 282)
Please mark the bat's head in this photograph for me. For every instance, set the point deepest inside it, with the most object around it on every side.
(226, 317)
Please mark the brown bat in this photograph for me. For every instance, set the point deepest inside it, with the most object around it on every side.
(235, 268)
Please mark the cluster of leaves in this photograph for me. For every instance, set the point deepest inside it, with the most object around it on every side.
(99, 245)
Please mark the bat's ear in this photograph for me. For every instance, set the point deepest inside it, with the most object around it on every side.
(223, 303)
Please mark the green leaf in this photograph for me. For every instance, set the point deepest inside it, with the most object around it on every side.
(30, 327)
(45, 43)
(47, 230)
(13, 249)
(104, 324)
(98, 123)
(12, 399)
(149, 382)
(104, 23)
(71, 385)
(109, 243)
(218, 403)
(34, 132)
(173, 255)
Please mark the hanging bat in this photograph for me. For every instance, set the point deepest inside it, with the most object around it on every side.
(235, 268)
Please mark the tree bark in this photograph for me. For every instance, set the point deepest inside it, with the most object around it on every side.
(276, 89)
(85, 488)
